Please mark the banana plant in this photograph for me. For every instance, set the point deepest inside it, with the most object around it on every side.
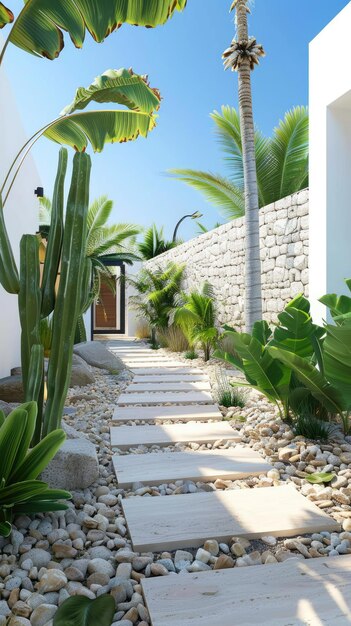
(40, 26)
(80, 611)
(20, 466)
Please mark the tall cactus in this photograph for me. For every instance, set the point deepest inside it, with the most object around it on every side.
(69, 297)
(29, 301)
(53, 251)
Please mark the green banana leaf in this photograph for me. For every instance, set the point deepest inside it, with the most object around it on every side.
(337, 359)
(81, 611)
(321, 389)
(6, 17)
(38, 458)
(339, 306)
(44, 506)
(262, 332)
(39, 29)
(120, 86)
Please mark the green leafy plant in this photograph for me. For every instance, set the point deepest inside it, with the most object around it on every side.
(313, 428)
(154, 243)
(317, 479)
(191, 355)
(20, 491)
(155, 299)
(173, 338)
(281, 162)
(227, 395)
(196, 316)
(81, 611)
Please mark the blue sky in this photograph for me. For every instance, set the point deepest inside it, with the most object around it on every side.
(183, 59)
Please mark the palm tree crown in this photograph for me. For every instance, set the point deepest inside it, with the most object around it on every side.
(281, 162)
(154, 243)
(196, 315)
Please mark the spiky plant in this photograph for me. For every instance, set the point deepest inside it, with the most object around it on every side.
(154, 243)
(196, 315)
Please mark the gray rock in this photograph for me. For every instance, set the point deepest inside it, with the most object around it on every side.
(4, 608)
(81, 374)
(5, 407)
(100, 566)
(11, 389)
(40, 558)
(19, 621)
(52, 580)
(74, 467)
(43, 614)
(97, 355)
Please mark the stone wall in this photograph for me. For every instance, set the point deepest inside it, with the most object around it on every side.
(219, 257)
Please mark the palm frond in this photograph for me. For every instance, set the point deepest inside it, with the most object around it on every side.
(99, 213)
(217, 190)
(44, 211)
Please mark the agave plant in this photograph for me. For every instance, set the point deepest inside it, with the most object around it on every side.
(196, 315)
(20, 491)
(281, 162)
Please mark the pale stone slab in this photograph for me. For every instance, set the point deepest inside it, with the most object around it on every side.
(294, 593)
(165, 434)
(158, 468)
(168, 386)
(170, 378)
(188, 397)
(166, 371)
(172, 522)
(153, 413)
(153, 364)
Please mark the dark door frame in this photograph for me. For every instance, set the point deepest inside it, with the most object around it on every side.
(122, 305)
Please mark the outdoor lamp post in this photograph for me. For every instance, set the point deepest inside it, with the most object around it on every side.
(193, 216)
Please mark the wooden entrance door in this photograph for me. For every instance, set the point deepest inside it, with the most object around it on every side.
(109, 311)
(106, 309)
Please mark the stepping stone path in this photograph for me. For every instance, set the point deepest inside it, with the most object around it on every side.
(164, 389)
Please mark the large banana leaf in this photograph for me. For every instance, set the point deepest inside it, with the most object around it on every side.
(39, 29)
(80, 611)
(310, 376)
(121, 86)
(99, 128)
(337, 359)
(339, 306)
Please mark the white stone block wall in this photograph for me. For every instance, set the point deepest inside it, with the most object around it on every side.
(219, 257)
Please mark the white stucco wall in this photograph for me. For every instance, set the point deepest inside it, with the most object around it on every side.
(330, 160)
(21, 213)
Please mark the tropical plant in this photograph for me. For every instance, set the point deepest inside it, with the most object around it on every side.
(204, 229)
(173, 338)
(155, 299)
(251, 353)
(191, 355)
(20, 491)
(105, 244)
(154, 243)
(281, 162)
(196, 315)
(310, 427)
(81, 611)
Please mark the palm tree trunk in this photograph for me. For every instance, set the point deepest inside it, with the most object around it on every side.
(253, 293)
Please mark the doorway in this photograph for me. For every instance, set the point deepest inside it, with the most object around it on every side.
(108, 312)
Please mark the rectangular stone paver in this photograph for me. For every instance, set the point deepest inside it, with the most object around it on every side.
(158, 468)
(151, 413)
(135, 365)
(166, 434)
(312, 592)
(170, 378)
(182, 521)
(167, 371)
(168, 386)
(200, 397)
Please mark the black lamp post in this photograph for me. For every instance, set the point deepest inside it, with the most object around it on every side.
(193, 216)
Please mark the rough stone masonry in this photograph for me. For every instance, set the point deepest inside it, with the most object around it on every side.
(219, 257)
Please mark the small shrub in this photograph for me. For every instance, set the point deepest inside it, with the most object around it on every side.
(143, 330)
(191, 355)
(173, 338)
(312, 428)
(227, 395)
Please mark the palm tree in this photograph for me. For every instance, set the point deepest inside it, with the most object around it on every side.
(156, 295)
(281, 162)
(154, 243)
(197, 317)
(242, 56)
